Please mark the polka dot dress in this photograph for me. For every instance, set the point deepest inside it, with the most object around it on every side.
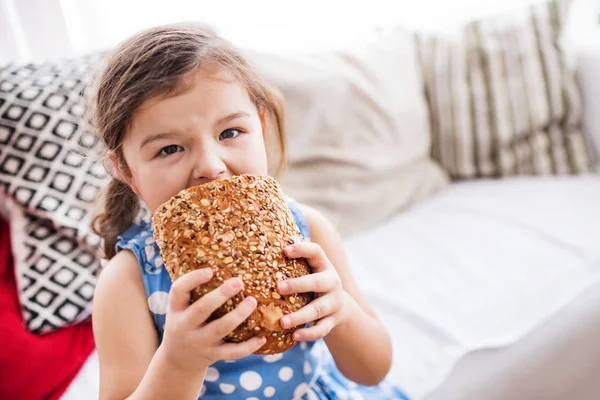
(307, 371)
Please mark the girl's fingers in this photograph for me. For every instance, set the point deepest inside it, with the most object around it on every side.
(218, 329)
(321, 282)
(199, 312)
(179, 298)
(318, 331)
(233, 351)
(312, 252)
(314, 311)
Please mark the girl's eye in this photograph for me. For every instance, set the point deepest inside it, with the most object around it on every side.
(168, 150)
(229, 134)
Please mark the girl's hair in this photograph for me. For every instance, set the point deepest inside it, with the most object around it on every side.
(150, 64)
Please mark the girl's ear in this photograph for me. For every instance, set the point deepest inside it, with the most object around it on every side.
(119, 173)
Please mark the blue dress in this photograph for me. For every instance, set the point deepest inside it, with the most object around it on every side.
(307, 371)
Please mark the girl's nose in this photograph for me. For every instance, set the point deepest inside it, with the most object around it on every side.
(209, 167)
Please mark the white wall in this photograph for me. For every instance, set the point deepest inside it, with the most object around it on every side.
(46, 29)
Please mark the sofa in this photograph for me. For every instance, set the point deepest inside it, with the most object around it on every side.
(483, 267)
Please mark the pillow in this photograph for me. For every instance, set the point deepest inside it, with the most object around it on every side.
(502, 99)
(357, 130)
(49, 177)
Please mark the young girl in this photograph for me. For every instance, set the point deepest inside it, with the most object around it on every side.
(176, 107)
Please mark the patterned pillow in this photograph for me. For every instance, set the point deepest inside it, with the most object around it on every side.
(503, 100)
(50, 177)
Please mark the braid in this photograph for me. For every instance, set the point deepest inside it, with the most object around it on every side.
(121, 207)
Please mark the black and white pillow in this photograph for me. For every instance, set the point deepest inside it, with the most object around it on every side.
(50, 179)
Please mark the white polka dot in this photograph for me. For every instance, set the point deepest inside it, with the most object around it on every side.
(286, 373)
(273, 358)
(342, 395)
(150, 252)
(300, 390)
(250, 380)
(252, 398)
(312, 395)
(150, 240)
(307, 368)
(303, 345)
(203, 391)
(355, 396)
(229, 361)
(352, 385)
(158, 302)
(227, 388)
(269, 391)
(212, 374)
(155, 267)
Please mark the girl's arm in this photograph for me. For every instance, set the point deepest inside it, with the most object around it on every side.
(131, 366)
(360, 345)
(127, 342)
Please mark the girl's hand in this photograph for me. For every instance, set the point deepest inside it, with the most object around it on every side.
(190, 343)
(329, 308)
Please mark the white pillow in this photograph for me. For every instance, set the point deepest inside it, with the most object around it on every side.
(582, 41)
(357, 130)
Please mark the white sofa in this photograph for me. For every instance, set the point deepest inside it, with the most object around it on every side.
(489, 288)
(481, 266)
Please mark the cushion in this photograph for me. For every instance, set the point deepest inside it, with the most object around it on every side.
(502, 97)
(357, 130)
(50, 177)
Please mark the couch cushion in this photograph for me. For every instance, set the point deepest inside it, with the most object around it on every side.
(50, 177)
(357, 130)
(503, 98)
(480, 265)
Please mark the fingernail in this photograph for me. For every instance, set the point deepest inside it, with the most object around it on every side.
(251, 300)
(236, 284)
(283, 286)
(285, 322)
(206, 271)
(296, 336)
(289, 250)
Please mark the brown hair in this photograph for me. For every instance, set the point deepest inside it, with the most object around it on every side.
(150, 64)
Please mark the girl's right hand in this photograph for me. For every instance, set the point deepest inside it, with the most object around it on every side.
(189, 342)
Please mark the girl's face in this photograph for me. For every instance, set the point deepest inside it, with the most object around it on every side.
(210, 131)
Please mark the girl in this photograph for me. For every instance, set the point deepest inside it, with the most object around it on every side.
(176, 107)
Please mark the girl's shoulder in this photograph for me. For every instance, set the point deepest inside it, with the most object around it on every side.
(300, 216)
(309, 219)
(136, 234)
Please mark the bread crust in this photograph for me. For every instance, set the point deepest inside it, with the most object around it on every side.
(238, 227)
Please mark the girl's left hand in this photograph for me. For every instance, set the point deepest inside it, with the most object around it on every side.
(328, 309)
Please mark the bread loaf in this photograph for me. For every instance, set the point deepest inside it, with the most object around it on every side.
(238, 227)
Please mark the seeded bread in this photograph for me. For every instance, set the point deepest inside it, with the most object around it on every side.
(238, 227)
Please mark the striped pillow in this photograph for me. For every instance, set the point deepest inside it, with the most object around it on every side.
(502, 99)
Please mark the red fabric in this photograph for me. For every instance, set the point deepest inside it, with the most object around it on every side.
(34, 367)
